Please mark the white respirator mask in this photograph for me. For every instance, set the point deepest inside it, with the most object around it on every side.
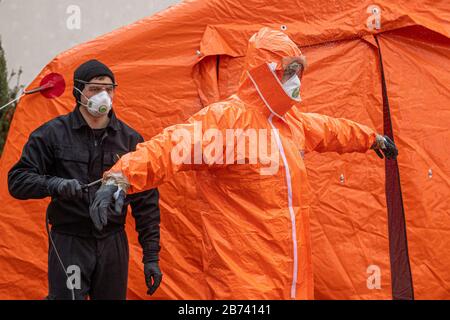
(292, 86)
(97, 105)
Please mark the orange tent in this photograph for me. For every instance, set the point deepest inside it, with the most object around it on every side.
(379, 232)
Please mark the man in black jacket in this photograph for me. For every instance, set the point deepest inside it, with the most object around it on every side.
(60, 160)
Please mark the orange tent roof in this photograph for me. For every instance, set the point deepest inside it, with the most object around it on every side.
(172, 64)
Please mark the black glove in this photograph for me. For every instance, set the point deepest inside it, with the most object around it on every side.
(388, 148)
(64, 188)
(102, 207)
(153, 276)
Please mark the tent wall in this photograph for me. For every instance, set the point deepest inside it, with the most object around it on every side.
(417, 67)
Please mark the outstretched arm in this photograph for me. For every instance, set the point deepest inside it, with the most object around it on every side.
(177, 148)
(327, 134)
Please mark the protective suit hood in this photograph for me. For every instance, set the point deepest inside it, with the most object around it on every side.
(267, 47)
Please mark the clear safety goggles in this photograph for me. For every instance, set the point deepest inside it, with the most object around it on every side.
(96, 87)
(292, 66)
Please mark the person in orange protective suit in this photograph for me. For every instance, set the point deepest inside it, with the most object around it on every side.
(258, 201)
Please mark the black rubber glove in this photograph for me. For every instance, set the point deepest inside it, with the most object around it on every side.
(153, 276)
(388, 148)
(64, 188)
(105, 204)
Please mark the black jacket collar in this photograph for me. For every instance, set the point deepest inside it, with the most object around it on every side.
(79, 122)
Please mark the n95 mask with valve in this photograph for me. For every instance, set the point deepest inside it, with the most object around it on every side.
(291, 86)
(98, 105)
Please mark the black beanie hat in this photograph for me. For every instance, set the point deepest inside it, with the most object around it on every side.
(86, 72)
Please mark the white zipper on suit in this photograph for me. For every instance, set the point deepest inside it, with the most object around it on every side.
(289, 187)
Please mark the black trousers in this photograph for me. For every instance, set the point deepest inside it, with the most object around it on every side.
(97, 268)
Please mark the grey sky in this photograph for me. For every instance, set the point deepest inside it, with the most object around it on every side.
(35, 31)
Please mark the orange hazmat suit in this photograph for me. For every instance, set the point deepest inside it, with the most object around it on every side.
(248, 153)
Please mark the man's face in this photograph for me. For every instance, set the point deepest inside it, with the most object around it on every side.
(290, 66)
(95, 86)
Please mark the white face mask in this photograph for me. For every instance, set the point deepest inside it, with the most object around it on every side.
(292, 88)
(98, 105)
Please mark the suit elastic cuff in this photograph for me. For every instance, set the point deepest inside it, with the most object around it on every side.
(150, 252)
(51, 185)
(150, 257)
